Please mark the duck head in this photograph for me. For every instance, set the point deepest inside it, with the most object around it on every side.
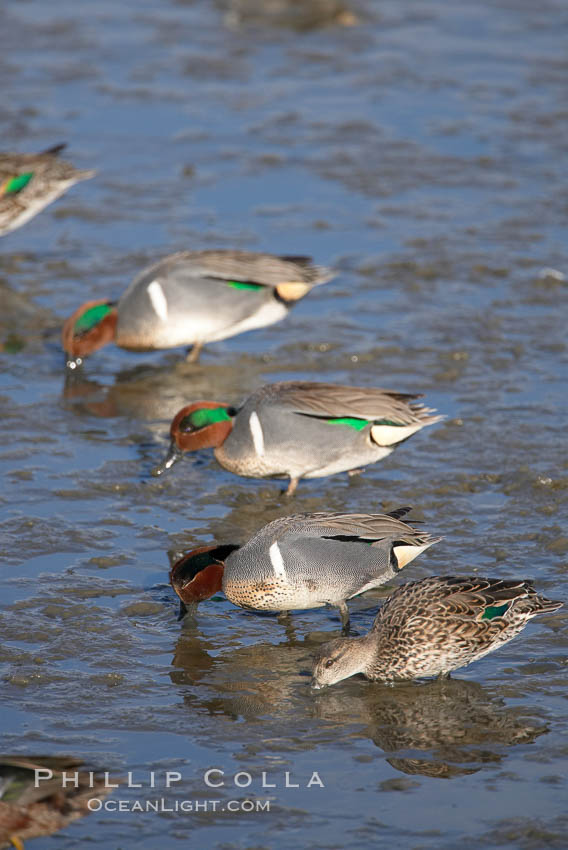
(88, 329)
(201, 425)
(198, 574)
(339, 659)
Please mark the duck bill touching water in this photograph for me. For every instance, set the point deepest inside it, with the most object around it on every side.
(432, 627)
(29, 182)
(192, 298)
(303, 561)
(299, 430)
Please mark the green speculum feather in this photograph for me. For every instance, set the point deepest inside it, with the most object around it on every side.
(202, 417)
(16, 184)
(359, 424)
(494, 611)
(91, 318)
(239, 284)
(350, 421)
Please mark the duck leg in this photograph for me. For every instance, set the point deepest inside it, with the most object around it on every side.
(291, 487)
(285, 620)
(194, 352)
(344, 614)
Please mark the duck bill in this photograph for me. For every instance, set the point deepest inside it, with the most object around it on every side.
(173, 455)
(182, 610)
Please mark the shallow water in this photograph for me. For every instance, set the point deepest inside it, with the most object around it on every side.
(420, 149)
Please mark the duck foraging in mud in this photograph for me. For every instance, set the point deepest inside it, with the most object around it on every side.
(192, 298)
(432, 627)
(299, 429)
(303, 561)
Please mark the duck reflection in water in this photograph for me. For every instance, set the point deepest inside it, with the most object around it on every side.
(150, 393)
(461, 725)
(441, 729)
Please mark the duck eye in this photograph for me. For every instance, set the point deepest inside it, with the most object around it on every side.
(186, 424)
(329, 662)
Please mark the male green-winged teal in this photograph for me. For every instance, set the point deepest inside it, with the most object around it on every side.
(299, 429)
(35, 800)
(303, 561)
(29, 182)
(192, 298)
(431, 627)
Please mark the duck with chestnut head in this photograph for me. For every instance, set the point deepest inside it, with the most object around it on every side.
(303, 561)
(192, 298)
(299, 429)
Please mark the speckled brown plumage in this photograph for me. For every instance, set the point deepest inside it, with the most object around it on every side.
(434, 626)
(27, 811)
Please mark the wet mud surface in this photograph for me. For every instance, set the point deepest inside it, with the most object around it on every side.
(420, 149)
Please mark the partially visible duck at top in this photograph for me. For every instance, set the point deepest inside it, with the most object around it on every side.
(299, 429)
(192, 298)
(432, 627)
(303, 561)
(29, 182)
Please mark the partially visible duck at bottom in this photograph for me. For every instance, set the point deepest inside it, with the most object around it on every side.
(37, 797)
(299, 429)
(432, 627)
(303, 561)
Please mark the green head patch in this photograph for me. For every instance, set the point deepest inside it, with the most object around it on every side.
(494, 611)
(241, 284)
(16, 184)
(91, 318)
(202, 417)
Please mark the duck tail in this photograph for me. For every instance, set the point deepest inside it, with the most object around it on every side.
(405, 552)
(542, 605)
(55, 149)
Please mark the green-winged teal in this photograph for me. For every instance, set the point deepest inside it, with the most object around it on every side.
(35, 800)
(299, 429)
(303, 561)
(192, 298)
(431, 627)
(29, 182)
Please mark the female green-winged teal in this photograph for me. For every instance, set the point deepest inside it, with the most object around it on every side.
(29, 182)
(303, 561)
(35, 800)
(299, 429)
(431, 627)
(192, 298)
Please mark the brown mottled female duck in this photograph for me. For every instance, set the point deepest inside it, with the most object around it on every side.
(431, 627)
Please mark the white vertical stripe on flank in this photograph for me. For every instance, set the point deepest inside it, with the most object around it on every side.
(277, 560)
(158, 300)
(257, 435)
